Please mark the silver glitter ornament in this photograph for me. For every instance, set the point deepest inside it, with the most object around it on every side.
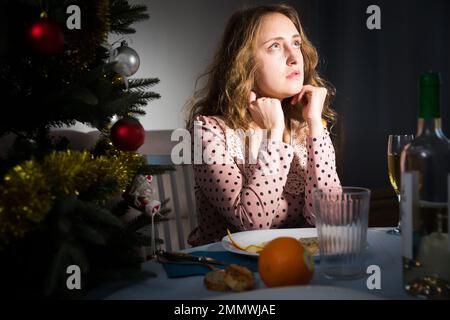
(127, 60)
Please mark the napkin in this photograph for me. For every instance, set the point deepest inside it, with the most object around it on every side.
(186, 270)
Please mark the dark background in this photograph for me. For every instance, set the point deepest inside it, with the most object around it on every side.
(376, 74)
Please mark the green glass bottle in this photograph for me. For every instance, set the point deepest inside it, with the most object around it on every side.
(426, 245)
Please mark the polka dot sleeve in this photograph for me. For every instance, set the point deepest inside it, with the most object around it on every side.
(247, 200)
(321, 170)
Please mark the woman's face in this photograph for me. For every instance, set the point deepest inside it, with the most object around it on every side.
(279, 57)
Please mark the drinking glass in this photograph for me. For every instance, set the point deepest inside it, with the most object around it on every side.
(396, 143)
(342, 216)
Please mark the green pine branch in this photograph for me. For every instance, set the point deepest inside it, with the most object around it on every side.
(104, 189)
(144, 220)
(141, 240)
(57, 269)
(142, 83)
(139, 222)
(144, 98)
(99, 216)
(78, 256)
(124, 15)
(164, 213)
(89, 234)
(76, 209)
(120, 209)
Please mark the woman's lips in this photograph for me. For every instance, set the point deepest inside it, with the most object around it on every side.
(294, 75)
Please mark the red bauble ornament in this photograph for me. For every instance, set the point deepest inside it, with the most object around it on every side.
(46, 37)
(127, 134)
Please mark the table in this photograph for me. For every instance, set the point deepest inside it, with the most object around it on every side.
(384, 250)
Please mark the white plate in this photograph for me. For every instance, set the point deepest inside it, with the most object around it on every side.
(255, 237)
(309, 292)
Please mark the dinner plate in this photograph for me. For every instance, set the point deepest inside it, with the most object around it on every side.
(255, 237)
(310, 292)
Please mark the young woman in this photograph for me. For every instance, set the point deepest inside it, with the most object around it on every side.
(262, 82)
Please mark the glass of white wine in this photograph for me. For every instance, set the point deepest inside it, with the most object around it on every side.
(396, 143)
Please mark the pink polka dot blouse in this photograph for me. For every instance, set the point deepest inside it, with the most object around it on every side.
(275, 191)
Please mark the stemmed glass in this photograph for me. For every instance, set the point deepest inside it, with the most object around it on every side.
(396, 143)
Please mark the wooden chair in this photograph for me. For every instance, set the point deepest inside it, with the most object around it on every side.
(178, 186)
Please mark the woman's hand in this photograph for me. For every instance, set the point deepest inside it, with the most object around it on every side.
(312, 100)
(267, 114)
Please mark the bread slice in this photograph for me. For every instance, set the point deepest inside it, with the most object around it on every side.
(239, 278)
(214, 280)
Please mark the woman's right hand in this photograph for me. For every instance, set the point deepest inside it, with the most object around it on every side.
(267, 114)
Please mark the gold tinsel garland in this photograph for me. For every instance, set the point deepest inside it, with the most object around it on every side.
(28, 190)
(25, 198)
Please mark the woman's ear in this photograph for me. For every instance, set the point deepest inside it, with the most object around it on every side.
(324, 123)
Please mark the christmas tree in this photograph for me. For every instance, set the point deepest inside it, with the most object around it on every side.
(58, 206)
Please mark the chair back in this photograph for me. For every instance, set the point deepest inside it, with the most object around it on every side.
(178, 186)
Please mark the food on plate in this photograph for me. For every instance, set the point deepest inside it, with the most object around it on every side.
(234, 277)
(284, 261)
(234, 243)
(253, 248)
(311, 244)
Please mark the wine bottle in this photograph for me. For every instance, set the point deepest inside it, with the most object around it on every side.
(426, 166)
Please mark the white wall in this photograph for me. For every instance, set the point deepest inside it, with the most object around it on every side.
(175, 45)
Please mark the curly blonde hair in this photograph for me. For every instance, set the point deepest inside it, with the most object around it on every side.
(231, 75)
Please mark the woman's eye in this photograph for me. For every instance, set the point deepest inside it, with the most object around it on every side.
(297, 44)
(274, 46)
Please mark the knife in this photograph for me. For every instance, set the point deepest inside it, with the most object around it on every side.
(181, 256)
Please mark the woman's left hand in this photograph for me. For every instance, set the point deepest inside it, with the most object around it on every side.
(312, 100)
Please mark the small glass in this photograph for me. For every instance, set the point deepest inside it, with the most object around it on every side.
(342, 216)
(396, 143)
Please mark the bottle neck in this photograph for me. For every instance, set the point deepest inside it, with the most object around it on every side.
(429, 99)
(429, 126)
(429, 113)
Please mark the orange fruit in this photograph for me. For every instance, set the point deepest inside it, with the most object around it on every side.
(284, 262)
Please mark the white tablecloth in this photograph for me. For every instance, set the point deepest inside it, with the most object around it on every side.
(384, 250)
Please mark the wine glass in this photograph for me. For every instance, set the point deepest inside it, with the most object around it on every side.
(396, 143)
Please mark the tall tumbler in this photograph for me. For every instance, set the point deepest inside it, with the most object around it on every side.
(342, 216)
